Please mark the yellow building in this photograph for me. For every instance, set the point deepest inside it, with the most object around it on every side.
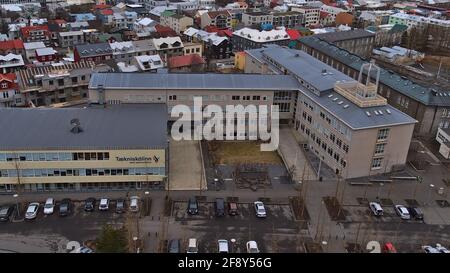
(239, 60)
(117, 147)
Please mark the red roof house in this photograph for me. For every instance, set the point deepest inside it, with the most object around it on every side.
(11, 46)
(186, 61)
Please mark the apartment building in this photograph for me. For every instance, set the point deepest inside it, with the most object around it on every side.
(45, 85)
(177, 22)
(35, 34)
(168, 47)
(311, 15)
(71, 38)
(290, 19)
(11, 63)
(256, 18)
(83, 149)
(428, 105)
(357, 41)
(247, 38)
(220, 19)
(417, 21)
(348, 125)
(9, 91)
(93, 52)
(332, 11)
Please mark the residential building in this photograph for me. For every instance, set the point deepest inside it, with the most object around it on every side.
(443, 138)
(35, 34)
(93, 52)
(71, 38)
(333, 11)
(348, 126)
(256, 18)
(429, 106)
(148, 63)
(10, 63)
(83, 149)
(30, 50)
(311, 15)
(193, 48)
(177, 22)
(186, 63)
(46, 55)
(220, 19)
(46, 85)
(290, 19)
(416, 21)
(9, 91)
(357, 41)
(247, 38)
(214, 46)
(12, 46)
(168, 47)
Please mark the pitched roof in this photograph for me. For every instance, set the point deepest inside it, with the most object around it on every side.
(26, 30)
(337, 36)
(186, 60)
(214, 14)
(293, 34)
(11, 44)
(106, 12)
(97, 49)
(10, 77)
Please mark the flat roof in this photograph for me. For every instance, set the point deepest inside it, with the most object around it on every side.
(344, 35)
(114, 127)
(189, 81)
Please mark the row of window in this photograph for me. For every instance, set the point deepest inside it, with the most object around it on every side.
(82, 172)
(53, 156)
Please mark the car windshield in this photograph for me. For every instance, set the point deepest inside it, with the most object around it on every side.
(193, 204)
(31, 208)
(192, 249)
(48, 205)
(3, 211)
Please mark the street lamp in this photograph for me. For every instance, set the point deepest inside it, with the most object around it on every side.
(325, 244)
(233, 241)
(429, 193)
(16, 197)
(135, 243)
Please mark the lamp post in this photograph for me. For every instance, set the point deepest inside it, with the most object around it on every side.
(325, 244)
(233, 241)
(16, 197)
(429, 194)
(135, 243)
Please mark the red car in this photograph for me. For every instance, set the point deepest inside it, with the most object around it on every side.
(389, 248)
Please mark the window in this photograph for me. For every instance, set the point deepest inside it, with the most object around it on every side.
(4, 85)
(382, 134)
(379, 148)
(376, 163)
(345, 148)
(256, 97)
(235, 97)
(173, 97)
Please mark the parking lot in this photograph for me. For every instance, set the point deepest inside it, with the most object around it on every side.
(50, 233)
(278, 232)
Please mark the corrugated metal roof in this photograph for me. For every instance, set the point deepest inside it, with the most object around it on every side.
(114, 127)
(193, 81)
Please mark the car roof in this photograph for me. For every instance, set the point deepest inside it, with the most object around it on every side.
(50, 199)
(252, 244)
(192, 242)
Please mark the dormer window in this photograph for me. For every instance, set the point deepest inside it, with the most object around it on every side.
(164, 45)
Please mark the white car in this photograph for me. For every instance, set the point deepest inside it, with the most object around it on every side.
(430, 249)
(442, 249)
(252, 247)
(134, 203)
(403, 212)
(32, 211)
(376, 208)
(260, 209)
(192, 246)
(223, 246)
(104, 204)
(49, 206)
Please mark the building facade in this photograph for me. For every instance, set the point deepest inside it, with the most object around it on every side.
(247, 38)
(357, 41)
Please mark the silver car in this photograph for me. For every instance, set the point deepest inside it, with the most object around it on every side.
(32, 211)
(403, 212)
(260, 209)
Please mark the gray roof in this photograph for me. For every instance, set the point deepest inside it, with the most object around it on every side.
(302, 65)
(193, 81)
(88, 50)
(344, 35)
(406, 87)
(356, 117)
(114, 127)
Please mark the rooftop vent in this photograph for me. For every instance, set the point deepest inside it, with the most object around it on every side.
(341, 102)
(346, 106)
(335, 99)
(368, 113)
(76, 128)
(330, 95)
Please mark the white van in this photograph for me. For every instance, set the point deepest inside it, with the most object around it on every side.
(49, 206)
(376, 208)
(134, 203)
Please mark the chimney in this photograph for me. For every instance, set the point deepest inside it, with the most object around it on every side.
(76, 129)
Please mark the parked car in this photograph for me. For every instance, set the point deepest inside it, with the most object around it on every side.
(192, 246)
(5, 212)
(430, 249)
(49, 206)
(192, 206)
(376, 208)
(252, 247)
(222, 246)
(220, 207)
(89, 204)
(104, 204)
(32, 211)
(415, 213)
(120, 206)
(134, 203)
(389, 248)
(260, 209)
(442, 249)
(232, 208)
(174, 246)
(403, 212)
(65, 207)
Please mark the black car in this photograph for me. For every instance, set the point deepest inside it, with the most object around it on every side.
(120, 206)
(89, 204)
(174, 246)
(5, 212)
(415, 213)
(220, 207)
(193, 206)
(65, 207)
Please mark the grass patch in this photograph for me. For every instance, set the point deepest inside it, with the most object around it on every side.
(240, 152)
